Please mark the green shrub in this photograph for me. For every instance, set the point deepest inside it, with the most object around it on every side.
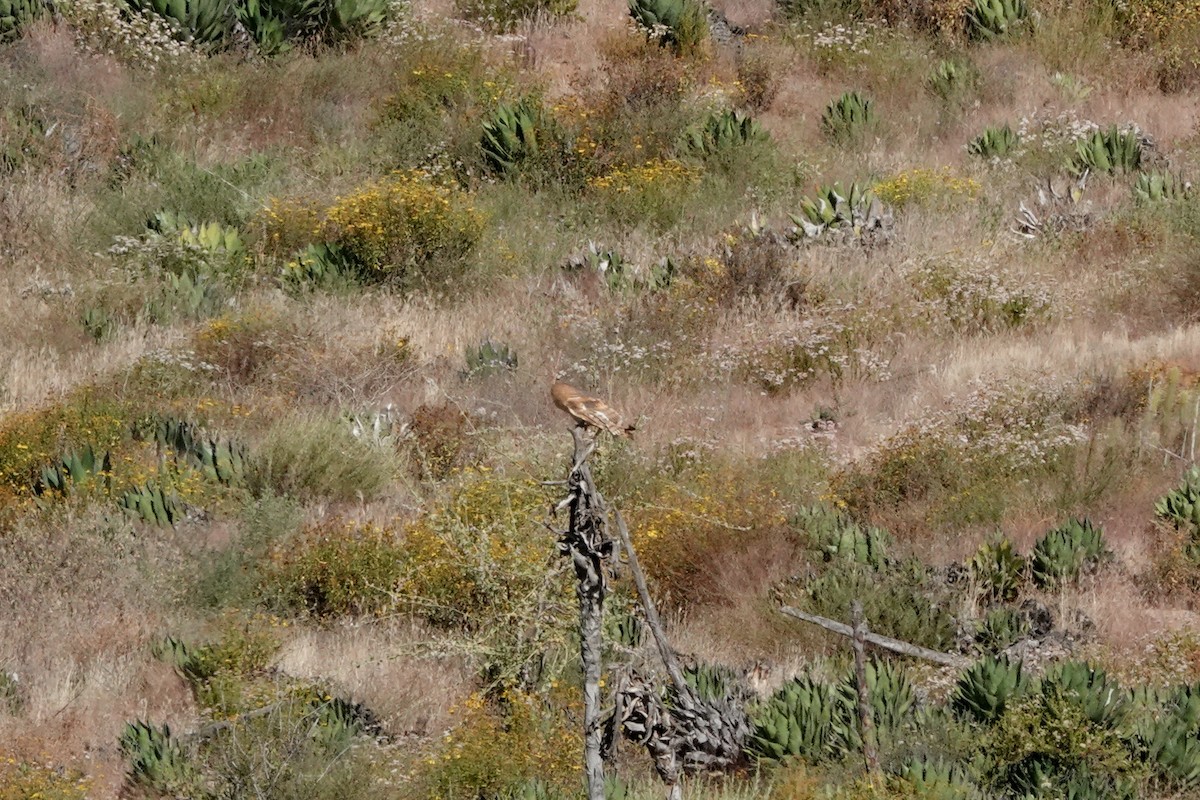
(848, 118)
(902, 601)
(679, 24)
(301, 748)
(1064, 553)
(230, 576)
(312, 456)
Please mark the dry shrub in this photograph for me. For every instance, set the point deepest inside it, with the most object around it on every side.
(32, 439)
(505, 747)
(941, 17)
(442, 437)
(754, 267)
(336, 569)
(22, 780)
(246, 347)
(697, 540)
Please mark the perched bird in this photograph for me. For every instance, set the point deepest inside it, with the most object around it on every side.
(589, 411)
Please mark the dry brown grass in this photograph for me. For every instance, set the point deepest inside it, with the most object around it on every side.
(382, 666)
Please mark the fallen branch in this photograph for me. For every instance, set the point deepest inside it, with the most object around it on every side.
(886, 642)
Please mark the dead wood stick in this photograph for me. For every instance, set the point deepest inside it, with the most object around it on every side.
(652, 618)
(886, 642)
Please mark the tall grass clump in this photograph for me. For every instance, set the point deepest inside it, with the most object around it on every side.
(307, 456)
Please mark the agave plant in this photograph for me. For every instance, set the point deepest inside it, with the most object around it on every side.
(74, 469)
(1065, 552)
(1059, 207)
(152, 504)
(156, 759)
(948, 79)
(15, 14)
(939, 780)
(795, 721)
(994, 142)
(854, 213)
(722, 131)
(323, 264)
(1170, 738)
(510, 135)
(1181, 505)
(679, 24)
(490, 358)
(1107, 151)
(206, 23)
(219, 460)
(984, 689)
(1161, 187)
(998, 571)
(992, 19)
(892, 702)
(1001, 628)
(1100, 698)
(847, 118)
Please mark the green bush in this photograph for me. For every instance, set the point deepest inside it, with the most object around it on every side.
(313, 456)
(407, 229)
(902, 601)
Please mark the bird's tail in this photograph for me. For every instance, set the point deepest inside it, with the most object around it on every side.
(629, 429)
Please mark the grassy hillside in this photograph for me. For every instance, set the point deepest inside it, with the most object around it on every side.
(905, 298)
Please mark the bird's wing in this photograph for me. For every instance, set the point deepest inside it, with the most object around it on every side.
(596, 412)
